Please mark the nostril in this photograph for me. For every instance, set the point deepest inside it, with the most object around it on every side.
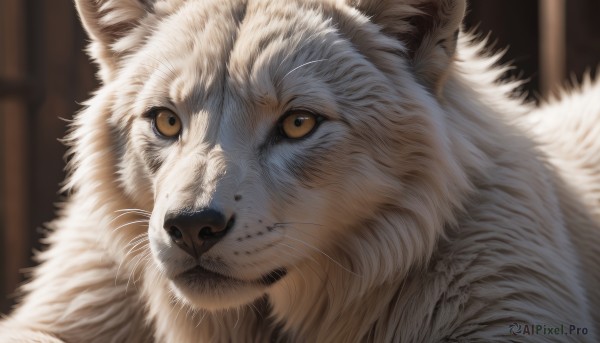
(208, 232)
(175, 233)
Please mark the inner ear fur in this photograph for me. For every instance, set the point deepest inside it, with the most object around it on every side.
(107, 22)
(427, 28)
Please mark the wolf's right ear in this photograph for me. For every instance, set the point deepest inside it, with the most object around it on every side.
(110, 23)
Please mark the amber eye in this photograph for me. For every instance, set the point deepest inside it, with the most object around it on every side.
(167, 123)
(297, 124)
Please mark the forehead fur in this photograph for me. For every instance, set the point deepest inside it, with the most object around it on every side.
(253, 46)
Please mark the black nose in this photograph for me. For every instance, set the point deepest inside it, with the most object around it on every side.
(197, 231)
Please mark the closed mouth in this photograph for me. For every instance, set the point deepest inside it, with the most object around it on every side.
(201, 274)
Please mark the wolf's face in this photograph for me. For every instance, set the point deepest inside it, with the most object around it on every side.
(261, 134)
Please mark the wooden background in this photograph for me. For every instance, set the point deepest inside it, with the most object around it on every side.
(44, 75)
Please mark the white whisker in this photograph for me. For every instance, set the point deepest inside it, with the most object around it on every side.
(324, 254)
(300, 66)
(130, 223)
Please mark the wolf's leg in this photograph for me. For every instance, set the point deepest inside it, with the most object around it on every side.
(75, 295)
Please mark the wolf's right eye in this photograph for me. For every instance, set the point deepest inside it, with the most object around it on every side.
(166, 123)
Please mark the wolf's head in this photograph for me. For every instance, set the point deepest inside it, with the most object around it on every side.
(274, 141)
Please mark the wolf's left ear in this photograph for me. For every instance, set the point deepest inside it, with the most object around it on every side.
(428, 29)
(109, 24)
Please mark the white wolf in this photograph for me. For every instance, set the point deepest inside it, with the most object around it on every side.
(315, 171)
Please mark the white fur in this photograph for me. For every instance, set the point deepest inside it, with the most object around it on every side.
(431, 204)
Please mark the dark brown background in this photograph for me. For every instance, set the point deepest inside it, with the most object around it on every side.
(44, 75)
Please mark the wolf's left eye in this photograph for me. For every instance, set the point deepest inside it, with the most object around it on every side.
(167, 123)
(298, 123)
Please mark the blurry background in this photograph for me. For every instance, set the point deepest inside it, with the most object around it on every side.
(44, 75)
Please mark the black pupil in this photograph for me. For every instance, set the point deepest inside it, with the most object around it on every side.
(172, 120)
(298, 121)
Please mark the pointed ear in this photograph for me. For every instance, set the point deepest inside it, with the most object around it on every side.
(427, 28)
(109, 23)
